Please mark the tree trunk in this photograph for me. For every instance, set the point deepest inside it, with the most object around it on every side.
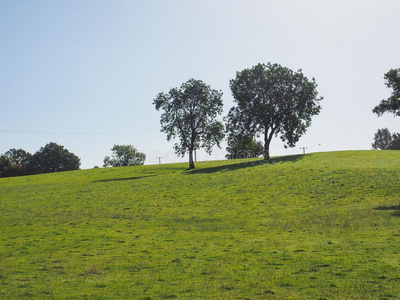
(191, 163)
(267, 141)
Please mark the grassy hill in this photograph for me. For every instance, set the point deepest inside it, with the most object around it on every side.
(324, 225)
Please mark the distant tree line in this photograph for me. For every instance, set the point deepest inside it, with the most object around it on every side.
(50, 158)
(270, 100)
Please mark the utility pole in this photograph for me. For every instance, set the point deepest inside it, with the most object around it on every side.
(304, 149)
(195, 155)
(159, 159)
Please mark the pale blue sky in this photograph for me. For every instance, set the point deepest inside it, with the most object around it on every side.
(84, 73)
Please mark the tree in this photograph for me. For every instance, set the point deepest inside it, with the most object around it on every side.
(384, 140)
(5, 164)
(53, 158)
(396, 141)
(271, 100)
(124, 155)
(17, 163)
(18, 156)
(243, 147)
(189, 113)
(392, 104)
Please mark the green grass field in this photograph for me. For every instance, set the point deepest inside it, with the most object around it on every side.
(324, 225)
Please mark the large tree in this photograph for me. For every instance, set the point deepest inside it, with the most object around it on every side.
(391, 104)
(53, 158)
(271, 100)
(189, 113)
(124, 155)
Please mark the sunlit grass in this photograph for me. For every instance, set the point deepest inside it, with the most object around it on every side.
(323, 225)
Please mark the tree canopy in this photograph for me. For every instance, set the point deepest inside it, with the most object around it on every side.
(53, 158)
(124, 155)
(271, 100)
(189, 114)
(18, 156)
(5, 164)
(50, 158)
(246, 146)
(391, 104)
(384, 140)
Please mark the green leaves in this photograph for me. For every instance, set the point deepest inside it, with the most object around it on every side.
(18, 156)
(5, 163)
(243, 146)
(271, 100)
(124, 155)
(392, 104)
(384, 140)
(50, 158)
(53, 158)
(189, 114)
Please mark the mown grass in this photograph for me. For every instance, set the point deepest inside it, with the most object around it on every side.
(324, 225)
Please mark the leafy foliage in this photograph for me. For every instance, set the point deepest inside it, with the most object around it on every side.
(15, 163)
(392, 104)
(50, 158)
(189, 113)
(124, 155)
(396, 141)
(5, 164)
(243, 147)
(384, 140)
(18, 156)
(53, 158)
(271, 100)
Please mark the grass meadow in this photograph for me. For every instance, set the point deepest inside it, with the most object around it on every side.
(319, 226)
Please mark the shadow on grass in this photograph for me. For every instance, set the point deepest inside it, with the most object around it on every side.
(395, 208)
(247, 164)
(123, 179)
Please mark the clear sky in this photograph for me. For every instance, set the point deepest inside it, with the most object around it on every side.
(84, 73)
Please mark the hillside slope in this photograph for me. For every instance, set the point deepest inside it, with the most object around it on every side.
(324, 225)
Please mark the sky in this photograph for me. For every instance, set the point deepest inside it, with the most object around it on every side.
(84, 74)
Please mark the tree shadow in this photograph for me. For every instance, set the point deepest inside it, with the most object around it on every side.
(123, 179)
(248, 163)
(394, 208)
